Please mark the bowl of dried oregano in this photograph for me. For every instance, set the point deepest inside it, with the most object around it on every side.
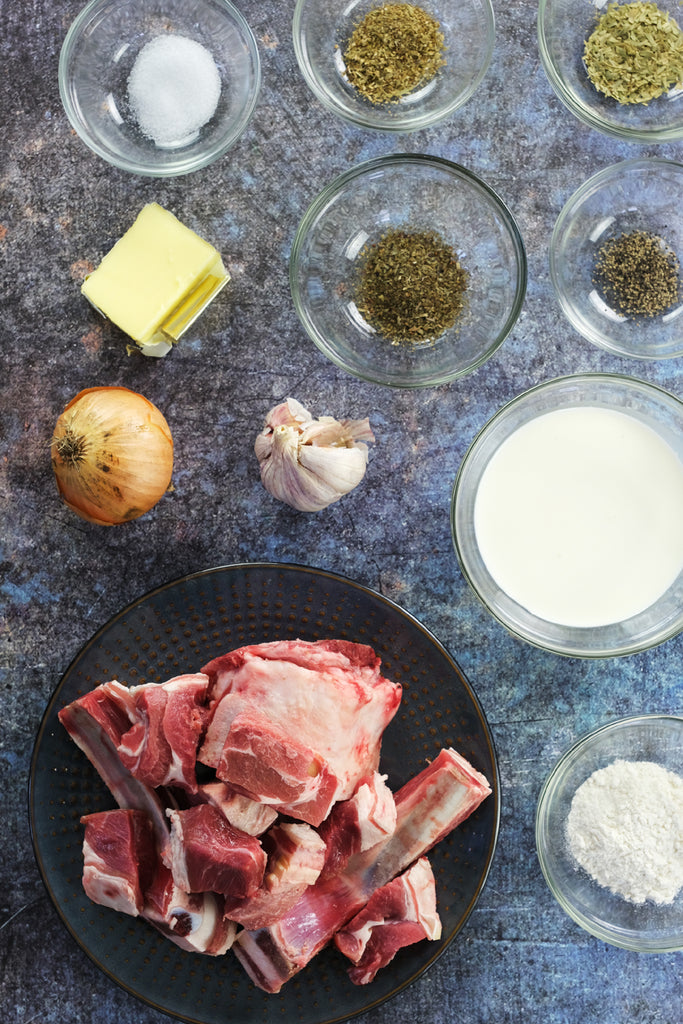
(615, 258)
(618, 66)
(393, 66)
(408, 270)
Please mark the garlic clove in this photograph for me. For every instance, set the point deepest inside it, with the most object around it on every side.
(342, 469)
(309, 463)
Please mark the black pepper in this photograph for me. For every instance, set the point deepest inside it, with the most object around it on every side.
(637, 274)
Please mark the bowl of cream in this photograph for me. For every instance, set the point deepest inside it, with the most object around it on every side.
(567, 515)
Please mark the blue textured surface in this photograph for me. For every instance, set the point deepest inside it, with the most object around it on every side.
(519, 958)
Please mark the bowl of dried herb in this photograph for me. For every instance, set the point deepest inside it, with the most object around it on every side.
(615, 258)
(617, 67)
(393, 66)
(408, 270)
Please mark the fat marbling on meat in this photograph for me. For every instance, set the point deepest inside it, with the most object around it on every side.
(297, 724)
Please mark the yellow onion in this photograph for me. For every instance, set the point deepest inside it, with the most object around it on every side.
(112, 454)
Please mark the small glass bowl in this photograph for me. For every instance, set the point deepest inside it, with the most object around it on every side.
(99, 52)
(634, 195)
(647, 927)
(563, 28)
(418, 193)
(647, 404)
(322, 29)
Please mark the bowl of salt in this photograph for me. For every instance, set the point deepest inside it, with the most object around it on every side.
(159, 87)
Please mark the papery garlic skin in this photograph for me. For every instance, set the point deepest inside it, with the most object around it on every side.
(310, 463)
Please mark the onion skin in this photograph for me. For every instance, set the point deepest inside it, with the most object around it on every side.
(112, 455)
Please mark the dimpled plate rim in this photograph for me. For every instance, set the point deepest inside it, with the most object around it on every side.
(177, 628)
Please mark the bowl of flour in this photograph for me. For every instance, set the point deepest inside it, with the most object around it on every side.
(609, 833)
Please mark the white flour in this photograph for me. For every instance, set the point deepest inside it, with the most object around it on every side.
(625, 828)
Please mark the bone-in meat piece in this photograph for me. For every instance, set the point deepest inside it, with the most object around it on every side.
(96, 723)
(428, 807)
(241, 811)
(398, 914)
(359, 823)
(296, 854)
(167, 720)
(296, 724)
(119, 859)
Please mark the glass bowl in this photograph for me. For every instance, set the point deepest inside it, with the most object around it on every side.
(322, 29)
(647, 927)
(572, 538)
(417, 193)
(100, 51)
(632, 196)
(563, 27)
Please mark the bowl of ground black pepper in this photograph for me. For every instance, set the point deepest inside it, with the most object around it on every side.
(159, 87)
(408, 271)
(616, 257)
(617, 66)
(393, 66)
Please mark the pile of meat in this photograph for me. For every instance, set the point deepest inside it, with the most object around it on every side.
(252, 815)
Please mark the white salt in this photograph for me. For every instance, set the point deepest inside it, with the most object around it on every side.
(173, 89)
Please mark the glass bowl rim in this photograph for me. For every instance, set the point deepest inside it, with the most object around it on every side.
(571, 647)
(594, 183)
(375, 120)
(583, 112)
(456, 171)
(193, 162)
(568, 759)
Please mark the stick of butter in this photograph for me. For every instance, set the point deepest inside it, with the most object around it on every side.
(156, 280)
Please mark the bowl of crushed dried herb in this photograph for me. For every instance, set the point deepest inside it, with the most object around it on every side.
(615, 258)
(408, 271)
(393, 66)
(617, 67)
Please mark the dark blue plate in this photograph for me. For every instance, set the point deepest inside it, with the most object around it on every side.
(178, 628)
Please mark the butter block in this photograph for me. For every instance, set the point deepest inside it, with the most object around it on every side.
(156, 280)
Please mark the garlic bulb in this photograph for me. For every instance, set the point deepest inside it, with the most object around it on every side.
(310, 463)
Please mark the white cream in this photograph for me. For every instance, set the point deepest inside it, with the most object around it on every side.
(579, 516)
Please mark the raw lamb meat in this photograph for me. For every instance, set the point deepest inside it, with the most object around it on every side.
(193, 921)
(241, 811)
(288, 727)
(295, 724)
(357, 824)
(428, 808)
(166, 722)
(119, 859)
(122, 870)
(296, 854)
(209, 855)
(398, 914)
(96, 723)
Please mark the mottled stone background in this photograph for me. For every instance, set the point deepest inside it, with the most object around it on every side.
(519, 959)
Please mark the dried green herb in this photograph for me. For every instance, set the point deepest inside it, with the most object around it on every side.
(392, 51)
(411, 286)
(635, 53)
(638, 274)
